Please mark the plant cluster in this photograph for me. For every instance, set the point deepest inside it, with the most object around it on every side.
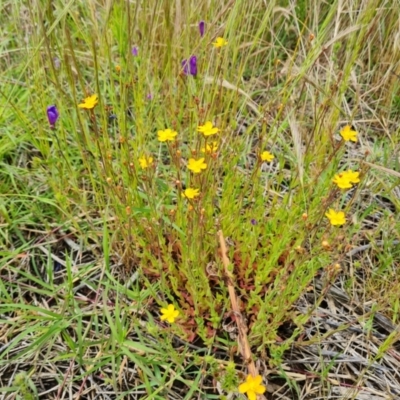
(138, 137)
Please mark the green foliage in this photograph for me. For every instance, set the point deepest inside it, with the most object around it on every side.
(230, 381)
(24, 387)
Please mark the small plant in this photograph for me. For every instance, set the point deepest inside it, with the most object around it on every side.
(24, 387)
(179, 197)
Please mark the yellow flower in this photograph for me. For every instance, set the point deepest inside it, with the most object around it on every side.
(118, 68)
(191, 193)
(336, 217)
(352, 177)
(167, 135)
(89, 103)
(207, 129)
(169, 313)
(252, 387)
(211, 147)
(196, 165)
(267, 156)
(145, 161)
(348, 134)
(342, 181)
(220, 42)
(345, 179)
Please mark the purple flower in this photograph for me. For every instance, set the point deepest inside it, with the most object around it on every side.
(52, 115)
(149, 96)
(57, 63)
(135, 51)
(191, 67)
(253, 222)
(202, 26)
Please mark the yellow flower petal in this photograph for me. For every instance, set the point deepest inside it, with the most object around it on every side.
(251, 395)
(257, 380)
(260, 389)
(353, 177)
(244, 387)
(89, 103)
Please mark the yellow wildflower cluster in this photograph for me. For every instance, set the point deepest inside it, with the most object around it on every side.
(194, 165)
(344, 180)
